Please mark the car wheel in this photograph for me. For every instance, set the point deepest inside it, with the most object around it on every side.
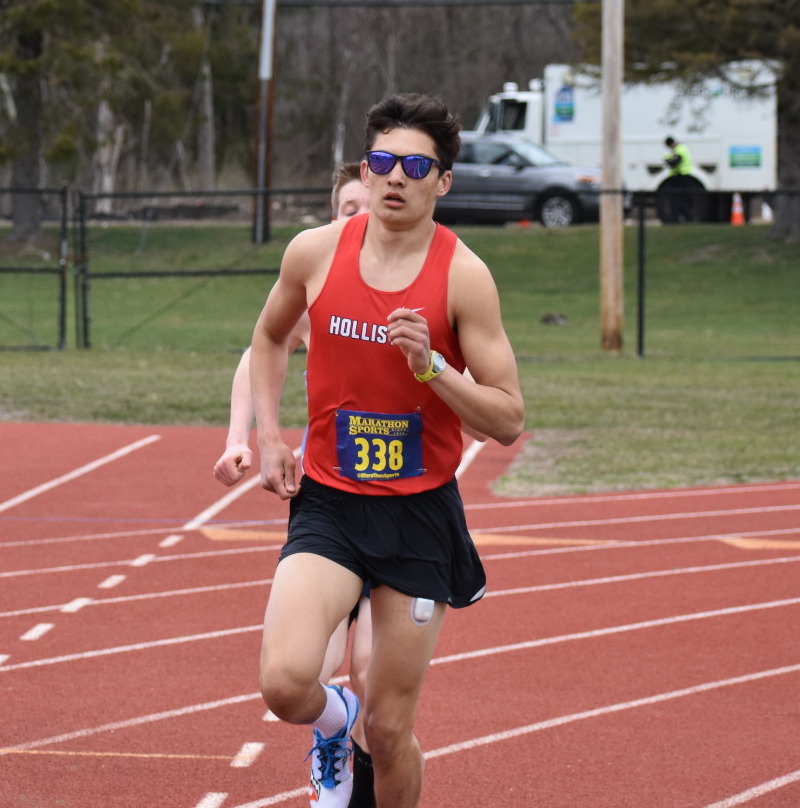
(558, 210)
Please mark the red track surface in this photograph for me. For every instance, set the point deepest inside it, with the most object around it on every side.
(634, 650)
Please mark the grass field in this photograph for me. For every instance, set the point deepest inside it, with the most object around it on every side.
(713, 400)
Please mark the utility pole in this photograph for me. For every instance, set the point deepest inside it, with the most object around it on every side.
(264, 108)
(611, 215)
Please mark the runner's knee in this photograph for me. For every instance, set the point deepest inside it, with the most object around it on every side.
(285, 691)
(386, 734)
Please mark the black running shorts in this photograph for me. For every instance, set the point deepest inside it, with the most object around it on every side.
(417, 544)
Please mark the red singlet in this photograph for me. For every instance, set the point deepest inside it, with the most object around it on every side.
(373, 428)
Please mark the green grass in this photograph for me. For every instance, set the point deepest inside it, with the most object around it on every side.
(714, 399)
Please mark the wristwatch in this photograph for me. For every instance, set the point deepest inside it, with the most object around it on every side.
(437, 366)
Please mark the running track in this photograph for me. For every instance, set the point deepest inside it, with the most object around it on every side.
(635, 650)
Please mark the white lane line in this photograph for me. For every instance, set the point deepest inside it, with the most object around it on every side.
(469, 456)
(639, 496)
(185, 557)
(503, 649)
(4, 658)
(611, 630)
(139, 646)
(628, 544)
(79, 472)
(214, 799)
(37, 632)
(234, 494)
(247, 755)
(71, 607)
(171, 540)
(212, 510)
(275, 800)
(111, 582)
(129, 723)
(633, 520)
(80, 603)
(757, 791)
(469, 655)
(129, 534)
(143, 560)
(560, 721)
(641, 576)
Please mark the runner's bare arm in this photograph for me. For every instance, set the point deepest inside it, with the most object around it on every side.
(283, 310)
(492, 404)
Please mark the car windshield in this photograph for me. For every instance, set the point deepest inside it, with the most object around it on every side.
(517, 152)
(534, 154)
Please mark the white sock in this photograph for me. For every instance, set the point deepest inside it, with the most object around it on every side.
(334, 716)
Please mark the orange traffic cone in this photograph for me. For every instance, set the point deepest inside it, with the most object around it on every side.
(737, 210)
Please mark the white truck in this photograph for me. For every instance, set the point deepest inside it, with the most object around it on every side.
(729, 129)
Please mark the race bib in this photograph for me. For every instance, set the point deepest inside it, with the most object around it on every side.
(379, 446)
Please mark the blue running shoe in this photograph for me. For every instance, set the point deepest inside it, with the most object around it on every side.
(331, 777)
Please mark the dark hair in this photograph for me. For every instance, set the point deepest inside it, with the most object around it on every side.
(427, 113)
(670, 142)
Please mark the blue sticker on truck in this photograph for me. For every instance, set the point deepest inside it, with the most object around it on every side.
(744, 157)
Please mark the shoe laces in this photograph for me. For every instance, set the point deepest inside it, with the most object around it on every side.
(332, 754)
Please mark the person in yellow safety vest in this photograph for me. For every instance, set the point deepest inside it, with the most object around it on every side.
(679, 160)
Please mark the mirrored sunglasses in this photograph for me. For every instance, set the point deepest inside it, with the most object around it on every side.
(416, 166)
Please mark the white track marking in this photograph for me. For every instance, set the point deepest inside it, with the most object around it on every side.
(126, 649)
(73, 606)
(612, 630)
(79, 603)
(633, 520)
(79, 472)
(275, 799)
(247, 755)
(641, 576)
(598, 712)
(152, 718)
(468, 655)
(676, 493)
(125, 534)
(213, 799)
(37, 632)
(240, 489)
(560, 721)
(212, 510)
(111, 582)
(757, 791)
(469, 456)
(628, 544)
(158, 559)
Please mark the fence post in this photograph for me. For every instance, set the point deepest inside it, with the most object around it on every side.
(81, 277)
(63, 261)
(641, 279)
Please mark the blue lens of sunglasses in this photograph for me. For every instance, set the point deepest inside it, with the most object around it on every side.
(416, 166)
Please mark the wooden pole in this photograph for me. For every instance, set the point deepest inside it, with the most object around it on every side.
(264, 114)
(611, 214)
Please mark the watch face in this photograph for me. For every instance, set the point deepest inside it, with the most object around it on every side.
(439, 363)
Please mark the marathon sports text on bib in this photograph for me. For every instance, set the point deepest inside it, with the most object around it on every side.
(379, 446)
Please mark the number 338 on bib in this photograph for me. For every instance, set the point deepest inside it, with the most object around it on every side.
(379, 446)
